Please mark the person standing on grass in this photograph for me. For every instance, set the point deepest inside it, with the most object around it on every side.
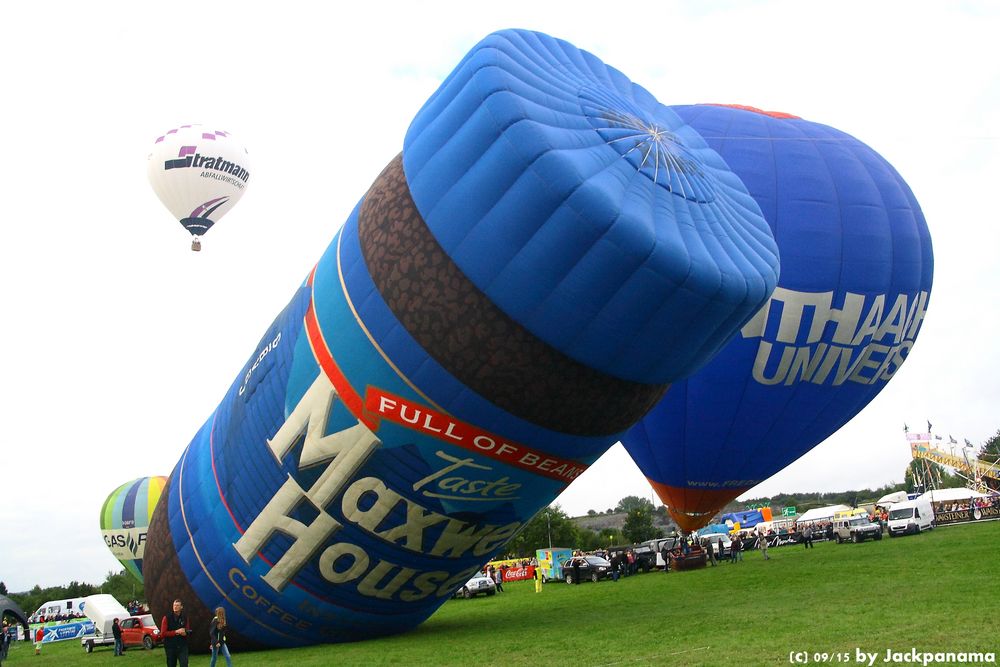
(217, 637)
(116, 631)
(538, 579)
(807, 537)
(499, 579)
(5, 642)
(710, 551)
(762, 543)
(175, 629)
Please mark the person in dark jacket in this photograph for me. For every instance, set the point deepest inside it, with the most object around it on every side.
(174, 628)
(217, 637)
(710, 551)
(116, 630)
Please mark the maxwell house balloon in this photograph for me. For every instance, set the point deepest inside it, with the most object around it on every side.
(199, 173)
(125, 520)
(551, 248)
(856, 271)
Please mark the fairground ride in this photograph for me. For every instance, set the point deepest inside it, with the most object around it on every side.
(927, 448)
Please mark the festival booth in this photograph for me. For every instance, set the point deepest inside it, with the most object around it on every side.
(962, 506)
(550, 562)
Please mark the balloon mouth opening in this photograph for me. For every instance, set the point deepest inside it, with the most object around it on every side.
(197, 226)
(690, 521)
(651, 148)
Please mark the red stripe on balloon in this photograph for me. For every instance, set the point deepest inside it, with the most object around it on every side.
(462, 434)
(744, 107)
(345, 392)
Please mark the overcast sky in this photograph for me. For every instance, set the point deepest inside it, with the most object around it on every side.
(119, 341)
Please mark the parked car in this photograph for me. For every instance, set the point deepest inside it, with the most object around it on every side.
(645, 556)
(478, 585)
(727, 543)
(856, 529)
(594, 568)
(136, 631)
(652, 551)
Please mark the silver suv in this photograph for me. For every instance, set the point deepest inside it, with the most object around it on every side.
(479, 584)
(856, 529)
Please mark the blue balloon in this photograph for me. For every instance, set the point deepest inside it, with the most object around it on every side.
(515, 290)
(856, 273)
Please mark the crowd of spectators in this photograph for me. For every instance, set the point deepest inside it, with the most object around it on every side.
(59, 617)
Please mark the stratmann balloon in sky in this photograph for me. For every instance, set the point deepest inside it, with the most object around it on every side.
(856, 273)
(549, 251)
(199, 173)
(125, 519)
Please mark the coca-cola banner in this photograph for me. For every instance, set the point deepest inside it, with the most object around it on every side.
(519, 573)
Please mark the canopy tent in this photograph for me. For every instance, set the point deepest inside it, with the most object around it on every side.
(822, 513)
(890, 498)
(940, 495)
(10, 608)
(714, 528)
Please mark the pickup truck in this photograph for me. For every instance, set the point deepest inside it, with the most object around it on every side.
(136, 631)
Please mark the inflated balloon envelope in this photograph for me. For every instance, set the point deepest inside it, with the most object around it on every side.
(856, 273)
(550, 250)
(199, 173)
(125, 517)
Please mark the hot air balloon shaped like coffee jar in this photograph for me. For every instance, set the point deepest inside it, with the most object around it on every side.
(478, 332)
(199, 173)
(125, 519)
(856, 273)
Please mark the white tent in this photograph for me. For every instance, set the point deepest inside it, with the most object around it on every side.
(822, 513)
(940, 495)
(889, 499)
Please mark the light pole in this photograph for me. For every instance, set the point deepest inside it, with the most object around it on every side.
(548, 523)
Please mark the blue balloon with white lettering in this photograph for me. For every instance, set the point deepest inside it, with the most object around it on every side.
(551, 249)
(856, 273)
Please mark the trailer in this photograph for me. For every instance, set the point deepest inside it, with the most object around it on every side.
(102, 609)
(550, 562)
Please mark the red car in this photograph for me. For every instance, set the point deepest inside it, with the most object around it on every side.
(140, 631)
(136, 631)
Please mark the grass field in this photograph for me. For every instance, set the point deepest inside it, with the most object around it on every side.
(933, 592)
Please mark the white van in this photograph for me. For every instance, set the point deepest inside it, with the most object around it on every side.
(911, 516)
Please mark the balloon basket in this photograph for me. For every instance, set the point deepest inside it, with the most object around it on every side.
(196, 244)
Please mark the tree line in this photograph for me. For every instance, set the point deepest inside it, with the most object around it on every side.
(121, 585)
